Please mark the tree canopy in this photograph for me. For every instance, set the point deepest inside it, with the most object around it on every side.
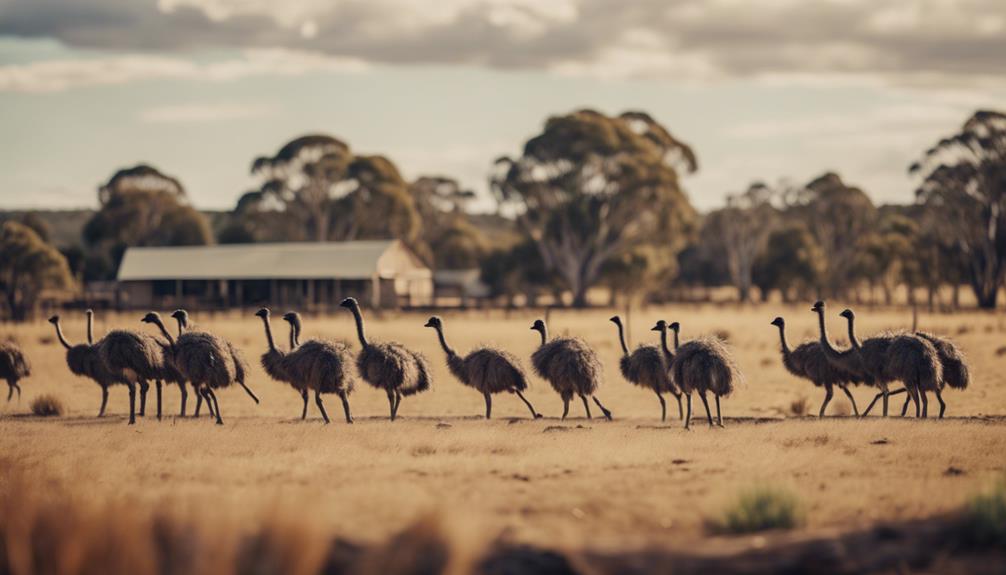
(28, 265)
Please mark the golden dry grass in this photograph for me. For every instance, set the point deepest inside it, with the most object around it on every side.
(630, 483)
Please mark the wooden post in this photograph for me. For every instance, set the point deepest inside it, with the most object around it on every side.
(375, 291)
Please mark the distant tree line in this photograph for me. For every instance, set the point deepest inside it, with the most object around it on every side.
(592, 201)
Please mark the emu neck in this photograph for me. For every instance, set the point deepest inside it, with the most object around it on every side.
(90, 329)
(621, 338)
(852, 333)
(164, 332)
(782, 339)
(268, 333)
(544, 334)
(823, 328)
(59, 334)
(663, 343)
(677, 342)
(295, 334)
(359, 326)
(443, 342)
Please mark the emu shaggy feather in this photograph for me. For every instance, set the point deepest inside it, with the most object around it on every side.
(569, 365)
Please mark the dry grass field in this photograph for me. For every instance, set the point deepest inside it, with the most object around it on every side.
(628, 484)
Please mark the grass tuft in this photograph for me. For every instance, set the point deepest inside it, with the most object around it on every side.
(799, 407)
(759, 509)
(985, 517)
(47, 406)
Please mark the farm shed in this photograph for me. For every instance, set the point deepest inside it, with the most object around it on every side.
(380, 273)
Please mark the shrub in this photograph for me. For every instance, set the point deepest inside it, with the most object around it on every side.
(760, 509)
(47, 406)
(985, 517)
(799, 407)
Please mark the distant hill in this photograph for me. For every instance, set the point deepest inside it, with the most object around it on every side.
(65, 226)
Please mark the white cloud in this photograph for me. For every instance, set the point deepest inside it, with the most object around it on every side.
(186, 113)
(59, 75)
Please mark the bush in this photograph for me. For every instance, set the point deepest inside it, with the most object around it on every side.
(47, 406)
(799, 407)
(760, 509)
(985, 517)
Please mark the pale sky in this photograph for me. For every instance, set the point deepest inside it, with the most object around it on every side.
(763, 90)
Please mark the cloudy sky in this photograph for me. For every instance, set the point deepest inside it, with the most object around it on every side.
(766, 89)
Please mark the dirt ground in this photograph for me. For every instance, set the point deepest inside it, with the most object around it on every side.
(633, 482)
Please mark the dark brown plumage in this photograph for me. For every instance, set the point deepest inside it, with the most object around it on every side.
(898, 357)
(321, 366)
(133, 356)
(485, 369)
(808, 361)
(647, 367)
(274, 361)
(702, 365)
(83, 360)
(14, 366)
(570, 366)
(389, 366)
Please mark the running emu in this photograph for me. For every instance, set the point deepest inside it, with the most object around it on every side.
(136, 358)
(321, 366)
(956, 372)
(570, 366)
(205, 360)
(486, 370)
(912, 360)
(83, 360)
(390, 366)
(809, 361)
(647, 367)
(701, 365)
(274, 360)
(14, 366)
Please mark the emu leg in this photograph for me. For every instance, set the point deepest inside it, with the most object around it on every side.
(565, 407)
(943, 405)
(663, 407)
(586, 406)
(719, 417)
(391, 404)
(489, 405)
(104, 401)
(321, 406)
(18, 388)
(144, 387)
(158, 384)
(607, 414)
(925, 404)
(303, 395)
(828, 393)
(10, 390)
(185, 395)
(904, 408)
(880, 395)
(681, 413)
(210, 396)
(132, 403)
(398, 402)
(688, 414)
(852, 400)
(199, 400)
(914, 391)
(886, 395)
(534, 413)
(705, 402)
(345, 406)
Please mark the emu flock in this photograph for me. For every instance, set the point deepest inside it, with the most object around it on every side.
(922, 362)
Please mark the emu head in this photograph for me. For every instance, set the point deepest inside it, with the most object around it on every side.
(291, 317)
(615, 320)
(263, 312)
(182, 316)
(779, 322)
(660, 326)
(350, 303)
(818, 306)
(151, 317)
(434, 322)
(538, 325)
(675, 326)
(54, 319)
(848, 314)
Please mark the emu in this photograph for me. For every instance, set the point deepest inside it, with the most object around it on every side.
(83, 360)
(390, 366)
(274, 360)
(647, 367)
(321, 366)
(907, 358)
(14, 366)
(136, 358)
(701, 365)
(809, 361)
(570, 366)
(485, 369)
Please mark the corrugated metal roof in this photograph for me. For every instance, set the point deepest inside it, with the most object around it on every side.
(298, 260)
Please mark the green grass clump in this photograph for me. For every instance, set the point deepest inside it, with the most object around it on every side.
(985, 517)
(760, 509)
(47, 406)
